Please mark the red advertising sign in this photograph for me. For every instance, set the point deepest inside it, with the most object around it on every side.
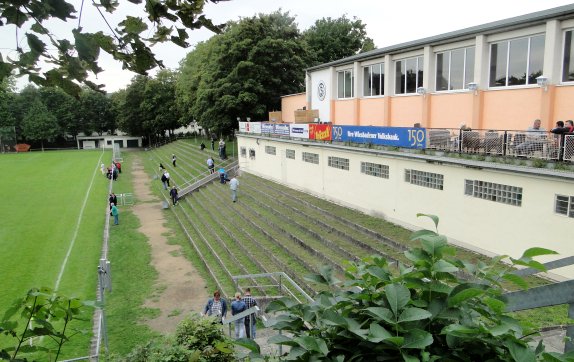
(320, 132)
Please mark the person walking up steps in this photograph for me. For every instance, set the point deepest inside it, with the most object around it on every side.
(210, 165)
(173, 194)
(173, 159)
(233, 184)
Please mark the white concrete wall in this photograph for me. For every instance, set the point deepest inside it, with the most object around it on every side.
(486, 226)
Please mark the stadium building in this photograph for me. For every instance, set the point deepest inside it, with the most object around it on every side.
(495, 78)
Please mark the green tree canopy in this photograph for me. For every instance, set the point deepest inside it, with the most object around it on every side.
(39, 124)
(128, 41)
(245, 71)
(331, 39)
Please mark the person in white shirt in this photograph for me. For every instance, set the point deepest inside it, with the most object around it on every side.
(233, 184)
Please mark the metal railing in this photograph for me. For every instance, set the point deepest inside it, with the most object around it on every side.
(546, 296)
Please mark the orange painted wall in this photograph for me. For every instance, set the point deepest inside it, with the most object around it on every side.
(371, 111)
(289, 104)
(406, 111)
(513, 109)
(564, 104)
(450, 110)
(345, 112)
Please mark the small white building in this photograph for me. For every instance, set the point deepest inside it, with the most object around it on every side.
(107, 141)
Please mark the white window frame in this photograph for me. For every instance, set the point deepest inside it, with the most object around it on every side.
(382, 68)
(507, 41)
(465, 80)
(562, 81)
(420, 67)
(569, 207)
(344, 71)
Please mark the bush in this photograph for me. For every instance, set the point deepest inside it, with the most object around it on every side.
(206, 336)
(439, 309)
(196, 339)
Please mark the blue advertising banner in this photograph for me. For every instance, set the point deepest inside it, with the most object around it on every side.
(406, 137)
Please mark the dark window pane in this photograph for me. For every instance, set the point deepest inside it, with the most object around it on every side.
(498, 53)
(376, 69)
(367, 81)
(457, 69)
(420, 65)
(400, 77)
(568, 63)
(341, 85)
(411, 73)
(536, 59)
(348, 85)
(382, 79)
(469, 67)
(517, 62)
(442, 71)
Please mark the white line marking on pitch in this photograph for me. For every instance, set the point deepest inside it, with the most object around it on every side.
(73, 241)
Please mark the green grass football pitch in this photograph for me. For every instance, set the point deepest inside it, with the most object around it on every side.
(51, 223)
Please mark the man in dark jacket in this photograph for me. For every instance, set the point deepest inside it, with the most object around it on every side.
(173, 194)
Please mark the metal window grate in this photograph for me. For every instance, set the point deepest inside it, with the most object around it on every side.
(564, 205)
(270, 150)
(338, 162)
(290, 154)
(425, 179)
(375, 169)
(252, 153)
(311, 157)
(505, 194)
(243, 152)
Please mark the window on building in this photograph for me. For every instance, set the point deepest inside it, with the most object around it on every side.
(375, 169)
(290, 154)
(505, 194)
(338, 162)
(252, 153)
(374, 80)
(270, 150)
(568, 61)
(564, 205)
(408, 75)
(516, 62)
(243, 151)
(345, 84)
(310, 157)
(454, 69)
(423, 178)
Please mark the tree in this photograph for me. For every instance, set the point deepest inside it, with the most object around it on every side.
(76, 58)
(159, 104)
(39, 124)
(131, 118)
(248, 68)
(64, 107)
(96, 113)
(333, 39)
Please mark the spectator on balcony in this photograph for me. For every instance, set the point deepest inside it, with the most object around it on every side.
(535, 137)
(561, 129)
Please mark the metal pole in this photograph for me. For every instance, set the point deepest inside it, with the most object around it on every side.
(101, 272)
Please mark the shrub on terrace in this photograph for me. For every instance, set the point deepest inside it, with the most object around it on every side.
(424, 312)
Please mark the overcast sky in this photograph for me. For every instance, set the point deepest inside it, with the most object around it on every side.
(387, 22)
